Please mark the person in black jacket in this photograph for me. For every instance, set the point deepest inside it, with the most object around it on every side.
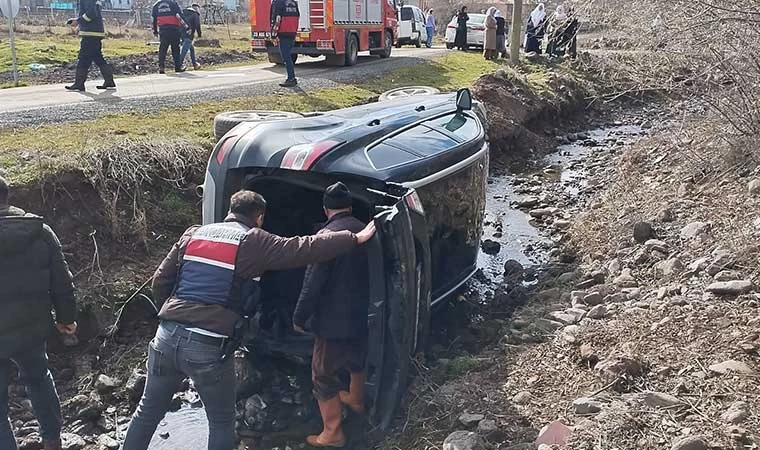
(168, 25)
(34, 281)
(91, 31)
(193, 20)
(335, 295)
(284, 17)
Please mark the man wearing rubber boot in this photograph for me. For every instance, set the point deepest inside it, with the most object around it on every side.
(335, 295)
(168, 25)
(91, 32)
(34, 281)
(207, 283)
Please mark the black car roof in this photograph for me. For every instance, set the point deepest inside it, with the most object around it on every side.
(358, 130)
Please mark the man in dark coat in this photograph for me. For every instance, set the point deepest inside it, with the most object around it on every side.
(92, 32)
(284, 17)
(335, 295)
(168, 25)
(193, 20)
(34, 281)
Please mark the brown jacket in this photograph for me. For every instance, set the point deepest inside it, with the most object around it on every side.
(259, 252)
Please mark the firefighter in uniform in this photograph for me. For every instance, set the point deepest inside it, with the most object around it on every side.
(168, 25)
(91, 32)
(284, 17)
(206, 284)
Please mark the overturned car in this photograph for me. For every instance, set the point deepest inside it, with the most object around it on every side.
(417, 165)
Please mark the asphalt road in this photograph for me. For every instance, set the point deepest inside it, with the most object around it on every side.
(37, 105)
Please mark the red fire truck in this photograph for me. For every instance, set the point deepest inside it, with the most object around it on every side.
(337, 29)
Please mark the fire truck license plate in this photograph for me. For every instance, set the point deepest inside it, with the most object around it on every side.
(262, 34)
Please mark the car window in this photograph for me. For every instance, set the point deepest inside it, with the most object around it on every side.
(406, 13)
(422, 140)
(384, 156)
(460, 126)
(476, 19)
(418, 15)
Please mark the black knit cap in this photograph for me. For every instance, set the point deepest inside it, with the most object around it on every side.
(337, 196)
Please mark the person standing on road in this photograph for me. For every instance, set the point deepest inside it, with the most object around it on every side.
(206, 285)
(489, 42)
(284, 17)
(501, 36)
(335, 296)
(168, 25)
(35, 280)
(430, 27)
(193, 20)
(91, 32)
(460, 39)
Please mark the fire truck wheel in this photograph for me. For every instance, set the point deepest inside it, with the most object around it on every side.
(388, 45)
(352, 50)
(275, 58)
(226, 121)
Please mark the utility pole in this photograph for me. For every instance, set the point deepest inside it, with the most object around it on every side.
(514, 41)
(10, 16)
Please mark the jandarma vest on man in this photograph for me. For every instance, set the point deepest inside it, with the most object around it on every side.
(166, 14)
(90, 19)
(207, 268)
(289, 19)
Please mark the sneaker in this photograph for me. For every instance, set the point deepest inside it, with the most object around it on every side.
(289, 83)
(180, 70)
(161, 71)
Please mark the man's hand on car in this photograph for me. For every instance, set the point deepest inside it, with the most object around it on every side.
(67, 328)
(299, 329)
(367, 233)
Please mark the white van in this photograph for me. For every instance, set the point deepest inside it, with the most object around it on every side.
(411, 26)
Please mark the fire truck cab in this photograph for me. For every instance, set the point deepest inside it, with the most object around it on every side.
(337, 29)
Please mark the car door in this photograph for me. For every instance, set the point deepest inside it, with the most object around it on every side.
(396, 307)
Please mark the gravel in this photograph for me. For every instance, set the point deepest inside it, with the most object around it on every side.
(367, 68)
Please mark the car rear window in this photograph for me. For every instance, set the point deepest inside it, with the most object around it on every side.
(477, 18)
(407, 14)
(384, 156)
(459, 126)
(423, 141)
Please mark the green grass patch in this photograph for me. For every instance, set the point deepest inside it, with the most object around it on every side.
(462, 365)
(28, 154)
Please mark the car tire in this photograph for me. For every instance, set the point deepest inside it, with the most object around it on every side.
(407, 91)
(275, 58)
(388, 45)
(449, 46)
(417, 43)
(352, 50)
(226, 121)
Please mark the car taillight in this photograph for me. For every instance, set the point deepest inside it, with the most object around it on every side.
(453, 27)
(479, 28)
(225, 147)
(303, 156)
(414, 203)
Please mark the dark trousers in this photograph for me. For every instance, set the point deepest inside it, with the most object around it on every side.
(174, 354)
(286, 46)
(40, 388)
(333, 357)
(169, 37)
(90, 51)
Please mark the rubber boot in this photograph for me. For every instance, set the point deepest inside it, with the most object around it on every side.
(332, 433)
(354, 399)
(81, 77)
(107, 72)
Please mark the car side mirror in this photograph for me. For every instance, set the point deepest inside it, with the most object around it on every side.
(464, 100)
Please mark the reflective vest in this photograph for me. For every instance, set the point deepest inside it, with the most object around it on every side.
(289, 19)
(207, 269)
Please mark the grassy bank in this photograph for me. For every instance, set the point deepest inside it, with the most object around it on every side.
(28, 154)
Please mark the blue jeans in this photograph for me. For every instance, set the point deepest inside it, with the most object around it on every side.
(40, 388)
(286, 46)
(187, 44)
(173, 354)
(430, 32)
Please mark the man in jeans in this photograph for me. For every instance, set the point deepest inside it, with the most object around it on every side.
(284, 16)
(205, 283)
(34, 280)
(193, 21)
(335, 296)
(430, 28)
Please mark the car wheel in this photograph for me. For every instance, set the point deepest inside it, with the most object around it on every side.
(449, 46)
(352, 50)
(417, 43)
(407, 91)
(388, 46)
(226, 121)
(275, 58)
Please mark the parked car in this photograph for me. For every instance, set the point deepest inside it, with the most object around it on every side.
(476, 31)
(416, 164)
(411, 26)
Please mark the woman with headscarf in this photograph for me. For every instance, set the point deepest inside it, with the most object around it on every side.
(461, 37)
(534, 32)
(501, 35)
(489, 43)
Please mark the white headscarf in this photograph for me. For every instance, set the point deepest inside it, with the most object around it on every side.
(497, 14)
(491, 11)
(561, 13)
(538, 14)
